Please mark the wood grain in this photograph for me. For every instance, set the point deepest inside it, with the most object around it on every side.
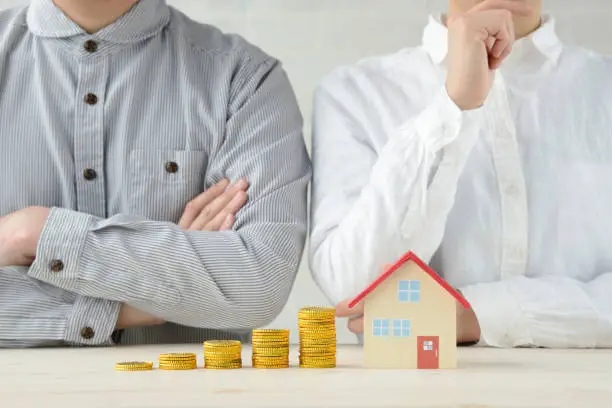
(85, 378)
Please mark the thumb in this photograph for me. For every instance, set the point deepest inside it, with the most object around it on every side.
(343, 309)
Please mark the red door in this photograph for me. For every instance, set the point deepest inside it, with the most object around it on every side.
(427, 354)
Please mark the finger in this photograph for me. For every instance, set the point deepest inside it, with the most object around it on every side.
(504, 40)
(343, 310)
(228, 223)
(195, 206)
(231, 208)
(355, 325)
(211, 210)
(515, 7)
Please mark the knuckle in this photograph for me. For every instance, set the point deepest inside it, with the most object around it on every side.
(190, 207)
(207, 212)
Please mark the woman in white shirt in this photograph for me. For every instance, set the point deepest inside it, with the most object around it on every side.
(490, 158)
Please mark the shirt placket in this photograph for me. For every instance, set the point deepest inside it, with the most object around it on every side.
(89, 130)
(511, 184)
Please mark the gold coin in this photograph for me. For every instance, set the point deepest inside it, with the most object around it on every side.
(134, 366)
(161, 358)
(268, 367)
(223, 368)
(233, 358)
(270, 332)
(318, 366)
(317, 310)
(184, 362)
(222, 343)
(222, 352)
(177, 368)
(178, 356)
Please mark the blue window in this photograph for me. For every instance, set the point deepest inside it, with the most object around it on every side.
(381, 327)
(401, 328)
(409, 291)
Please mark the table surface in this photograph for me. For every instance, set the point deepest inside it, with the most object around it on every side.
(85, 378)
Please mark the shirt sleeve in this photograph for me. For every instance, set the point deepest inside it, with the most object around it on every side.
(368, 203)
(550, 311)
(34, 314)
(237, 279)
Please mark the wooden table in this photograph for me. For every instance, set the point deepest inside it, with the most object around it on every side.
(85, 378)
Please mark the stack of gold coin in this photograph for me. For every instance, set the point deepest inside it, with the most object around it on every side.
(178, 361)
(270, 348)
(134, 366)
(317, 327)
(222, 354)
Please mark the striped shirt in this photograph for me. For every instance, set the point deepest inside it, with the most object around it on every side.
(116, 132)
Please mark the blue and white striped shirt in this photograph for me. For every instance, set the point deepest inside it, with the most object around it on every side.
(88, 124)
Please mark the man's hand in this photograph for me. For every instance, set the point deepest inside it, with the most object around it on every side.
(130, 317)
(19, 235)
(214, 210)
(479, 40)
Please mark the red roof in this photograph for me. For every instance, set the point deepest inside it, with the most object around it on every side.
(410, 256)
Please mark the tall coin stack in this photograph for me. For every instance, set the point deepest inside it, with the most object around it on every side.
(178, 361)
(270, 348)
(222, 354)
(317, 327)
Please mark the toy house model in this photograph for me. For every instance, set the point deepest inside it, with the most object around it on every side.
(410, 318)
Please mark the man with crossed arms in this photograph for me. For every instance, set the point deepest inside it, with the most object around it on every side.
(114, 116)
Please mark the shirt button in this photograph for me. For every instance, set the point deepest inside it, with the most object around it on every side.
(91, 99)
(56, 265)
(90, 174)
(172, 167)
(87, 333)
(91, 46)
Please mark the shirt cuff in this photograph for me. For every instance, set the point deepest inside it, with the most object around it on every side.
(501, 320)
(439, 124)
(92, 322)
(59, 248)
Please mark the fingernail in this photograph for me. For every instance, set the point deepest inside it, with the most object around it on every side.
(241, 183)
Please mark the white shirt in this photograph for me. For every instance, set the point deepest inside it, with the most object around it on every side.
(510, 203)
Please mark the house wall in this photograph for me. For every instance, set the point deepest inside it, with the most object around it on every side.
(434, 315)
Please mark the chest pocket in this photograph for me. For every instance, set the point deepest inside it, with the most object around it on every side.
(162, 182)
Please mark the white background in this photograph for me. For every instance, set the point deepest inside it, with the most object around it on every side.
(312, 37)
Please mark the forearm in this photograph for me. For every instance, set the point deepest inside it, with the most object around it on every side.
(397, 209)
(554, 311)
(34, 314)
(222, 280)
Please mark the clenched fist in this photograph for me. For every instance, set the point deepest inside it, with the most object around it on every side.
(479, 40)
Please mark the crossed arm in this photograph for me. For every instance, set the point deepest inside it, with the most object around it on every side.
(233, 279)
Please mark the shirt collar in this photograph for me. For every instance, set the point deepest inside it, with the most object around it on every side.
(145, 19)
(544, 40)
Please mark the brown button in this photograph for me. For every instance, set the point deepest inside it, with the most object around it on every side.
(87, 333)
(56, 265)
(91, 46)
(91, 99)
(90, 174)
(172, 167)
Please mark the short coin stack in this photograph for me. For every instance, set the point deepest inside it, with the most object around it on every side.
(178, 361)
(317, 327)
(134, 366)
(222, 354)
(270, 348)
